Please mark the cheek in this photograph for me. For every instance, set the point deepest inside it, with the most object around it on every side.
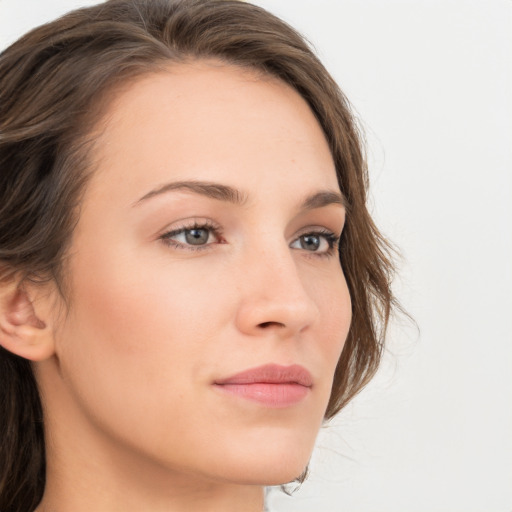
(335, 306)
(137, 314)
(136, 337)
(334, 302)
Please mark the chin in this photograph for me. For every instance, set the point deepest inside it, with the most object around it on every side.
(284, 476)
(266, 476)
(272, 454)
(269, 468)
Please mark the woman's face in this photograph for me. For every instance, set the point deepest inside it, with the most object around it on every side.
(206, 247)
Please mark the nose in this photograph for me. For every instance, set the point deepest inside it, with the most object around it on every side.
(274, 299)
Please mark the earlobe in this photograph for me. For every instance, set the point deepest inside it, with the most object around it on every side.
(22, 331)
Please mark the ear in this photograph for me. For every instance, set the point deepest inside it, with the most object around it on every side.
(25, 325)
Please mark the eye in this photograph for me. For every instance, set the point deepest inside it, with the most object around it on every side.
(322, 243)
(195, 237)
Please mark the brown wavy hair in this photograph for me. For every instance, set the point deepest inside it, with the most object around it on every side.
(54, 82)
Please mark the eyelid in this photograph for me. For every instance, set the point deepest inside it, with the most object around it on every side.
(332, 239)
(189, 224)
(319, 229)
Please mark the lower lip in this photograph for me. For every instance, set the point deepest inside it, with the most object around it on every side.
(270, 395)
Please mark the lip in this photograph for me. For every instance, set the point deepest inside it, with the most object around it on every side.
(270, 385)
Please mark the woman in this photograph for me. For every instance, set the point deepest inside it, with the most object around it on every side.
(190, 280)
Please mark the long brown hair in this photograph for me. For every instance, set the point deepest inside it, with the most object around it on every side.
(52, 85)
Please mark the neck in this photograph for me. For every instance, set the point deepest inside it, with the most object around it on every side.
(82, 498)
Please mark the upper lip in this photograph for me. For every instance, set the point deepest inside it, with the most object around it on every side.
(271, 374)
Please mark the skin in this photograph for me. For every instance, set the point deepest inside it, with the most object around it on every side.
(133, 419)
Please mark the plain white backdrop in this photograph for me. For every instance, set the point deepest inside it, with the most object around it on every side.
(431, 82)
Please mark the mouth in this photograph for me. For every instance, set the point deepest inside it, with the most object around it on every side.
(271, 385)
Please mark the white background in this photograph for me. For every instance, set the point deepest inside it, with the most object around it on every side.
(432, 83)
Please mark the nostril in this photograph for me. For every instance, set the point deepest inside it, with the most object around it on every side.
(265, 325)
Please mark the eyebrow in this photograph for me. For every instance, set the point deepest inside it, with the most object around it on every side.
(232, 195)
(204, 188)
(324, 198)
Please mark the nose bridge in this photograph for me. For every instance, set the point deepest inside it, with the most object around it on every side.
(274, 295)
(279, 273)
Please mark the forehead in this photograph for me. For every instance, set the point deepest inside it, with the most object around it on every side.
(209, 120)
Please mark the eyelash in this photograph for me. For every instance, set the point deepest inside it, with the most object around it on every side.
(331, 238)
(208, 226)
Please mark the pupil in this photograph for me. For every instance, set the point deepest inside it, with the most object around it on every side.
(310, 242)
(196, 236)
